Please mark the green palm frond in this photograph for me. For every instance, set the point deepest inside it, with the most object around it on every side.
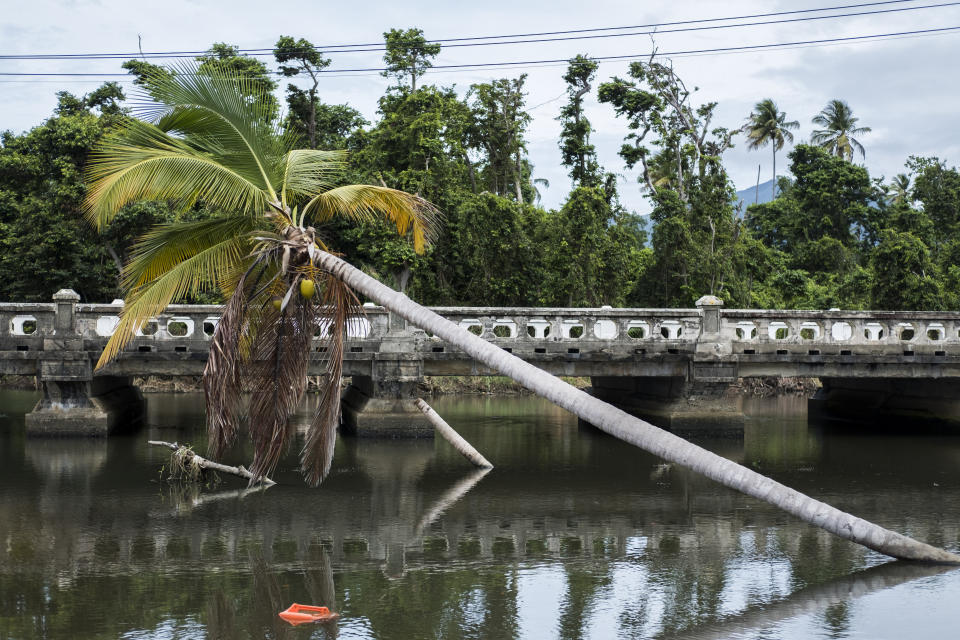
(143, 163)
(194, 275)
(308, 172)
(221, 107)
(166, 246)
(363, 202)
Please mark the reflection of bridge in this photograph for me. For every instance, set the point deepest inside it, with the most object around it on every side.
(670, 363)
(81, 522)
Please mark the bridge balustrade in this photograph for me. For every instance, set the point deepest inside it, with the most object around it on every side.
(844, 333)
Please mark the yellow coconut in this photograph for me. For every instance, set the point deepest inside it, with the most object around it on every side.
(307, 288)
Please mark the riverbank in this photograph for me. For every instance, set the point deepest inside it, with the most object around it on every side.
(450, 385)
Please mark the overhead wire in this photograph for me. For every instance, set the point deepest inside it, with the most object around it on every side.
(522, 63)
(501, 39)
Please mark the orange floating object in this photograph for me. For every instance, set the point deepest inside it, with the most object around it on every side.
(302, 614)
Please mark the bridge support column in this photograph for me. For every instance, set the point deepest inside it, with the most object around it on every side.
(687, 408)
(383, 403)
(75, 403)
(697, 404)
(889, 402)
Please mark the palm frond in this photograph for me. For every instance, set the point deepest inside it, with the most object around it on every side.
(195, 274)
(141, 162)
(222, 380)
(277, 376)
(165, 246)
(363, 202)
(308, 172)
(218, 106)
(338, 307)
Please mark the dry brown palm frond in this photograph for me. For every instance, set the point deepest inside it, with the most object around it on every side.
(338, 307)
(221, 376)
(277, 376)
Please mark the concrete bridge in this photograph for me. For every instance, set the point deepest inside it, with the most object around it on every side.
(673, 366)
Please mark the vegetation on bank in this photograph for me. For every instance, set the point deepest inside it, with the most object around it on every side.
(834, 236)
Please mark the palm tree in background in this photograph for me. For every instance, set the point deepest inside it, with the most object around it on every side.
(201, 137)
(768, 125)
(839, 128)
(206, 140)
(900, 187)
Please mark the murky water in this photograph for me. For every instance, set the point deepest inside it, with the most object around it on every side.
(572, 535)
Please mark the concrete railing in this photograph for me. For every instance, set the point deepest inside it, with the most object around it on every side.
(736, 331)
(837, 332)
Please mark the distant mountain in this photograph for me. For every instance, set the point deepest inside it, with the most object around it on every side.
(750, 195)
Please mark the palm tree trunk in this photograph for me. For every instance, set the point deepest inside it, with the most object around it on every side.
(450, 434)
(773, 187)
(637, 432)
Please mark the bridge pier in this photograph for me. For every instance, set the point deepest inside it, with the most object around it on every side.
(382, 404)
(898, 403)
(686, 407)
(75, 403)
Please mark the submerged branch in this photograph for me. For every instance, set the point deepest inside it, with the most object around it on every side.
(192, 458)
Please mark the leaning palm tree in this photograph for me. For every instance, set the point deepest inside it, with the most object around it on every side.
(205, 143)
(201, 137)
(768, 125)
(839, 128)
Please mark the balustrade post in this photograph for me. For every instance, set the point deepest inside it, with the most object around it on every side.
(65, 322)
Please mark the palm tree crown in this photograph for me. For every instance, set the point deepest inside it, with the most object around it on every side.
(204, 137)
(768, 125)
(839, 128)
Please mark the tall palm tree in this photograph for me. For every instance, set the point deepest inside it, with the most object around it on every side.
(900, 186)
(201, 137)
(839, 128)
(768, 125)
(206, 144)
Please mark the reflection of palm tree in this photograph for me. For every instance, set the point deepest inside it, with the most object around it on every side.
(839, 128)
(207, 141)
(768, 125)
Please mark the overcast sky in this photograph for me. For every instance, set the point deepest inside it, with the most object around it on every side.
(905, 88)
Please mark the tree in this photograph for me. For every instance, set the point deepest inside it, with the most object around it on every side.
(212, 143)
(696, 232)
(44, 244)
(304, 57)
(904, 274)
(408, 55)
(212, 139)
(499, 127)
(576, 151)
(768, 125)
(657, 101)
(839, 128)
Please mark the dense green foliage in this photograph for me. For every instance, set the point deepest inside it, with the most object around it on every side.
(833, 237)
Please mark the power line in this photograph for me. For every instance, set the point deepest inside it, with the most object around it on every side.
(634, 56)
(476, 41)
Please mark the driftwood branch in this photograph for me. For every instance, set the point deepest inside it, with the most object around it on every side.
(192, 458)
(451, 436)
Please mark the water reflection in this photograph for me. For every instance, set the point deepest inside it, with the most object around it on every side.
(572, 535)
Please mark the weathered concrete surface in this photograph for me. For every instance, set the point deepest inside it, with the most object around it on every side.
(706, 349)
(687, 408)
(97, 407)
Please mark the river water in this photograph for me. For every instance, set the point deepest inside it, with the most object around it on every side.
(572, 535)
